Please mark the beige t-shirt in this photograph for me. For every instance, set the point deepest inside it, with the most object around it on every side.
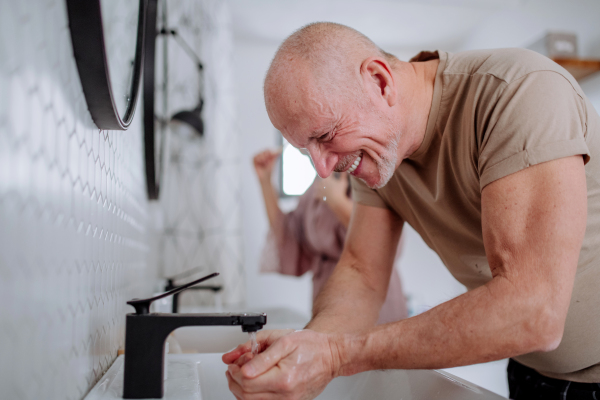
(494, 113)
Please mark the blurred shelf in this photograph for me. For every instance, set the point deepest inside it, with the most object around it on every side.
(577, 67)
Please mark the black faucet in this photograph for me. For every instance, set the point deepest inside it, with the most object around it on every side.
(145, 335)
(171, 285)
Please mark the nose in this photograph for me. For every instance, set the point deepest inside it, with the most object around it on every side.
(324, 161)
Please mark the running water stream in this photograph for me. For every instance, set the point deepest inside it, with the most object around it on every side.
(254, 342)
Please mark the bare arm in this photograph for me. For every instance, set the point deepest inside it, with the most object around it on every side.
(333, 191)
(359, 283)
(271, 204)
(342, 208)
(533, 226)
(263, 165)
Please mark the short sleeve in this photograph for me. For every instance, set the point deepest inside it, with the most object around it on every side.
(364, 195)
(537, 118)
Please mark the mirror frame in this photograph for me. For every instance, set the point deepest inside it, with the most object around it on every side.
(87, 36)
(153, 170)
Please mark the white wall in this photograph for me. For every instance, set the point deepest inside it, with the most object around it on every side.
(200, 192)
(74, 220)
(77, 236)
(521, 26)
(257, 133)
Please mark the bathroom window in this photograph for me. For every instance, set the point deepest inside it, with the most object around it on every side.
(296, 171)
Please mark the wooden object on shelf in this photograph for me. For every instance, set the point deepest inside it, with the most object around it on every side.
(577, 67)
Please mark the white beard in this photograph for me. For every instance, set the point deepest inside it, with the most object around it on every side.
(386, 166)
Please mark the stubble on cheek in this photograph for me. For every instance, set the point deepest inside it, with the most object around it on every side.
(386, 165)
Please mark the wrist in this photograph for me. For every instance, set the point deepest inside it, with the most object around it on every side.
(265, 180)
(346, 353)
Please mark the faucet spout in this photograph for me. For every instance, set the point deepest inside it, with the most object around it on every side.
(145, 345)
(145, 335)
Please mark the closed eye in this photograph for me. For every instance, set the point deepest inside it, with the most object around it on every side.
(327, 137)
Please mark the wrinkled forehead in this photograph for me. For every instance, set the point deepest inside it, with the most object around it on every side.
(307, 124)
(300, 111)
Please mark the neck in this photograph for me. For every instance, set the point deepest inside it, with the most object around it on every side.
(416, 83)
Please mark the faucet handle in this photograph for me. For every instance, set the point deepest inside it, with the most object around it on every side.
(142, 306)
(184, 274)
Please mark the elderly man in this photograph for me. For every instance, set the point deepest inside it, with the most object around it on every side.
(493, 157)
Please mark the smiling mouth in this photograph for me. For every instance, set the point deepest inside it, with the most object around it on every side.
(354, 165)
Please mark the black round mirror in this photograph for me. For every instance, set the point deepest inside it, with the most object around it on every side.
(154, 128)
(157, 123)
(108, 39)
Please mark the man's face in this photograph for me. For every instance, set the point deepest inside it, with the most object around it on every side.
(354, 136)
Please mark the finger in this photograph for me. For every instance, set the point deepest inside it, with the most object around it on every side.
(267, 337)
(233, 355)
(246, 386)
(268, 358)
(234, 387)
(241, 394)
(260, 156)
(272, 381)
(272, 158)
(244, 359)
(264, 339)
(277, 151)
(235, 374)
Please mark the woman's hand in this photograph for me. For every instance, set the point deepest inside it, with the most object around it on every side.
(264, 162)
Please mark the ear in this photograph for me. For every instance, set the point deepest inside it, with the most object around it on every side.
(378, 79)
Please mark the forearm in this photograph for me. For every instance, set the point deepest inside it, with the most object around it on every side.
(342, 208)
(492, 322)
(348, 302)
(274, 213)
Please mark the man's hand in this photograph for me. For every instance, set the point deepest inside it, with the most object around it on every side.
(264, 162)
(292, 365)
(264, 339)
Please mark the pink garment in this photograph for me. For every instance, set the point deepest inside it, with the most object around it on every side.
(312, 239)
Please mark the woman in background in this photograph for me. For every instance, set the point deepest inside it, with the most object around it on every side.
(311, 238)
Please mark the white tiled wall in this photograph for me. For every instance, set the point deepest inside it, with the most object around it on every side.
(73, 215)
(201, 198)
(76, 230)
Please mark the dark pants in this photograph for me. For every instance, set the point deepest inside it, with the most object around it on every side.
(525, 383)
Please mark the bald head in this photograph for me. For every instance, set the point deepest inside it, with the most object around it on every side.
(332, 91)
(322, 58)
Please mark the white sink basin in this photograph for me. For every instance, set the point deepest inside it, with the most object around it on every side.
(381, 385)
(202, 377)
(220, 339)
(182, 383)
